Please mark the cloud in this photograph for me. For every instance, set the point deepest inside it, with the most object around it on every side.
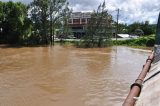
(130, 10)
(137, 10)
(83, 5)
(23, 1)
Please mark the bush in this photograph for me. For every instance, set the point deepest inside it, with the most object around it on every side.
(87, 43)
(150, 42)
(141, 41)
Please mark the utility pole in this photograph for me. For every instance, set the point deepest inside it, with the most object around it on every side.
(117, 24)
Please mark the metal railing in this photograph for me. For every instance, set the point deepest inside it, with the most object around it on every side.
(137, 86)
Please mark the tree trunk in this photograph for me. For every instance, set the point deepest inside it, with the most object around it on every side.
(51, 30)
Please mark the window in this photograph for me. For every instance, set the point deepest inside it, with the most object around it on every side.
(83, 20)
(76, 21)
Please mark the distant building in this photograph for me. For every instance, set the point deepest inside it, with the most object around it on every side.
(77, 22)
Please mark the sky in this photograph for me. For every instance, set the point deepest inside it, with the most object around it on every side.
(130, 10)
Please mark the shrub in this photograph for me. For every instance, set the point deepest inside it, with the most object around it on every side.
(150, 42)
(141, 41)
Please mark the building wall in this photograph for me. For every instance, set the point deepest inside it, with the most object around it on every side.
(77, 22)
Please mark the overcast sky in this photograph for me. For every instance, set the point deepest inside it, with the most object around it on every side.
(130, 10)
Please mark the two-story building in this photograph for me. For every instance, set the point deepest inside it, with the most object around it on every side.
(77, 22)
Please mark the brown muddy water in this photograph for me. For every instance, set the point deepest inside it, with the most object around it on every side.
(67, 76)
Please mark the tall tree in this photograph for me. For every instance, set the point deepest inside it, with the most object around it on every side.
(39, 16)
(66, 16)
(45, 14)
(148, 28)
(59, 11)
(99, 27)
(1, 19)
(122, 28)
(145, 27)
(14, 16)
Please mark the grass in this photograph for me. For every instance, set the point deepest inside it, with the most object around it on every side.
(144, 41)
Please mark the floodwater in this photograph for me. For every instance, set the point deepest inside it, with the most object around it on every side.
(67, 76)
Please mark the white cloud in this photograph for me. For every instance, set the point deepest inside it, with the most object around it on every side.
(130, 10)
(24, 1)
(138, 10)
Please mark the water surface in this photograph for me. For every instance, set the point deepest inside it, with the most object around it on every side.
(67, 76)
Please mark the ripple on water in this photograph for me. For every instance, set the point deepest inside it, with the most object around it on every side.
(105, 92)
(67, 76)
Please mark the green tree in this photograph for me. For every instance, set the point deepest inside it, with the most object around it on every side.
(39, 16)
(1, 19)
(13, 22)
(133, 27)
(45, 14)
(123, 28)
(59, 11)
(145, 27)
(99, 28)
(148, 28)
(139, 32)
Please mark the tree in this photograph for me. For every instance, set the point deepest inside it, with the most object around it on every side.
(13, 17)
(139, 32)
(39, 16)
(59, 11)
(145, 27)
(1, 19)
(133, 27)
(99, 27)
(45, 14)
(122, 28)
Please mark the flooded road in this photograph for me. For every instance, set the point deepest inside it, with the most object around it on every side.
(67, 76)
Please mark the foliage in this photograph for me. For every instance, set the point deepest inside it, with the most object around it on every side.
(33, 24)
(137, 28)
(45, 14)
(36, 24)
(13, 22)
(123, 28)
(141, 41)
(39, 16)
(58, 9)
(1, 18)
(98, 29)
(139, 32)
(143, 28)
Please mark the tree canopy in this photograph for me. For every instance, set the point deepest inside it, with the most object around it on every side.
(143, 27)
(36, 23)
(45, 14)
(99, 28)
(13, 21)
(32, 24)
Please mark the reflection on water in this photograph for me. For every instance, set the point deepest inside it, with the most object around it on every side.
(67, 76)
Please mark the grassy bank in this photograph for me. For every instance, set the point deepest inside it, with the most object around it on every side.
(144, 41)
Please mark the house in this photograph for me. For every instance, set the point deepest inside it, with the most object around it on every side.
(77, 22)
